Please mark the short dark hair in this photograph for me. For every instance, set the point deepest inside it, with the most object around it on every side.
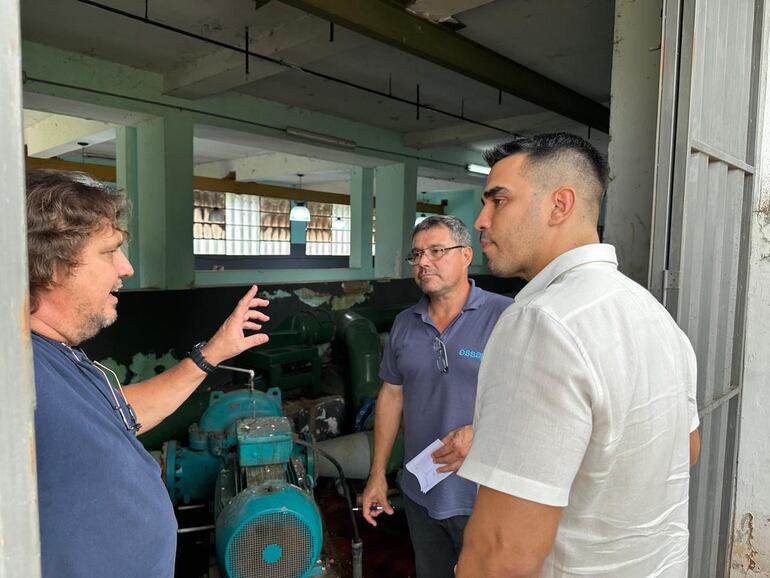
(542, 148)
(63, 210)
(456, 227)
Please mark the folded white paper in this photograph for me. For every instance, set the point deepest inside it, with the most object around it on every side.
(424, 469)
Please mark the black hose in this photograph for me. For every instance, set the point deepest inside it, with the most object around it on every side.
(356, 536)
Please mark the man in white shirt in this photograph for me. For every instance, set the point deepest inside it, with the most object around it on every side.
(586, 421)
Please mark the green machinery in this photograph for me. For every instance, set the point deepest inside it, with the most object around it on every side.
(291, 360)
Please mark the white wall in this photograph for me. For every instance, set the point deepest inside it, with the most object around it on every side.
(751, 532)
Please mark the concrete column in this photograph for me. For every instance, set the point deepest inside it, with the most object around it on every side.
(298, 230)
(633, 122)
(396, 193)
(128, 182)
(465, 205)
(19, 531)
(165, 202)
(361, 203)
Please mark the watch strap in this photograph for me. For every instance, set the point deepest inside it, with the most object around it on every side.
(198, 359)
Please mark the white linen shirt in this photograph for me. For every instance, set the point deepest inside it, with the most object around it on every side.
(586, 399)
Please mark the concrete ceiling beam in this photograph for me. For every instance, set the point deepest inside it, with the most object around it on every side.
(465, 133)
(66, 107)
(387, 22)
(443, 10)
(273, 167)
(297, 40)
(57, 135)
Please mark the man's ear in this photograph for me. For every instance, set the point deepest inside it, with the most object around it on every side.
(468, 254)
(564, 200)
(60, 274)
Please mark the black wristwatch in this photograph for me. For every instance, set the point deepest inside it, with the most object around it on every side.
(197, 357)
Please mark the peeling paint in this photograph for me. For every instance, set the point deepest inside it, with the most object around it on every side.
(144, 366)
(763, 229)
(347, 301)
(354, 293)
(312, 298)
(357, 287)
(120, 370)
(331, 423)
(279, 294)
(751, 547)
(744, 540)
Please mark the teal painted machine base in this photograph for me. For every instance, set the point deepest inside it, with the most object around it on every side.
(243, 461)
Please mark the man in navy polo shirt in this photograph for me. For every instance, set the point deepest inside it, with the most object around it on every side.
(104, 510)
(429, 372)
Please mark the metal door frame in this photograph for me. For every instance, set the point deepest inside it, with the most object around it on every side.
(674, 146)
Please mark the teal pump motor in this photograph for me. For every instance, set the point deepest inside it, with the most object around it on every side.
(242, 457)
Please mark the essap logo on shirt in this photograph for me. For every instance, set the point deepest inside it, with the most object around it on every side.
(470, 353)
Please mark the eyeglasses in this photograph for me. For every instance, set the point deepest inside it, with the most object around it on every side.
(433, 253)
(441, 359)
(131, 422)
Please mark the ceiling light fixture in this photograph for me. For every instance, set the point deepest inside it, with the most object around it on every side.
(477, 169)
(299, 212)
(321, 138)
(217, 215)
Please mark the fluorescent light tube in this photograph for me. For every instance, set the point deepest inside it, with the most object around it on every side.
(477, 169)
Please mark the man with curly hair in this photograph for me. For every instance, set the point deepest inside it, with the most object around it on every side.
(104, 510)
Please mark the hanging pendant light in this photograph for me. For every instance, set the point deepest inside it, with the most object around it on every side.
(299, 212)
(217, 215)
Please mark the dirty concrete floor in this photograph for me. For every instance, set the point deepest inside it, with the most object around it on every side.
(387, 550)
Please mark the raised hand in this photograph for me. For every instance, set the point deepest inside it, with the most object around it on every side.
(230, 339)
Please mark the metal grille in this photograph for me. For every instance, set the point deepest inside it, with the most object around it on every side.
(284, 529)
(704, 187)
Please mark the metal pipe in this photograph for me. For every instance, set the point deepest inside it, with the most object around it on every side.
(192, 507)
(358, 553)
(192, 529)
(249, 372)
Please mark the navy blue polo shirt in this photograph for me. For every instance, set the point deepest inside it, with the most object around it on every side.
(104, 510)
(436, 403)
